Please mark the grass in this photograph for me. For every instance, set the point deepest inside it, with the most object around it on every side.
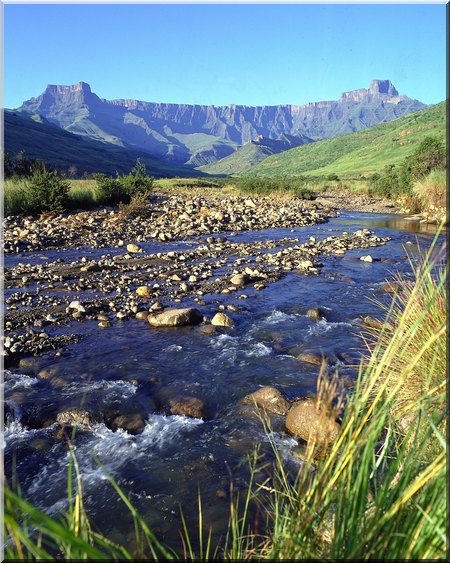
(379, 492)
(360, 153)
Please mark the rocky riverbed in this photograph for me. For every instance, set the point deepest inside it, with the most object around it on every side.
(131, 282)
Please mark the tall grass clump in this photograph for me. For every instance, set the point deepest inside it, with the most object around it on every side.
(377, 492)
(431, 194)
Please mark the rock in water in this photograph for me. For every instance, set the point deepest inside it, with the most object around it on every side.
(75, 416)
(269, 399)
(315, 314)
(188, 406)
(307, 422)
(176, 317)
(132, 423)
(310, 358)
(144, 291)
(220, 319)
(133, 248)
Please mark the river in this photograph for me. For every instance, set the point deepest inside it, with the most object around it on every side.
(137, 367)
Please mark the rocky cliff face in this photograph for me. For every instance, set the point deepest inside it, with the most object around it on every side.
(197, 134)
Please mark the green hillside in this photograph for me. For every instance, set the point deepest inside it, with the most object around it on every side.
(244, 158)
(62, 149)
(360, 153)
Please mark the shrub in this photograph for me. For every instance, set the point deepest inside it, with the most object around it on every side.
(46, 190)
(266, 186)
(138, 207)
(332, 177)
(137, 182)
(111, 190)
(429, 155)
(122, 188)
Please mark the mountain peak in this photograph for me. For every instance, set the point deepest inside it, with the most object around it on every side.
(382, 87)
(78, 87)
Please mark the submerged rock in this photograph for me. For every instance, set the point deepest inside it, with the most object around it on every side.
(315, 314)
(132, 423)
(75, 416)
(308, 422)
(269, 399)
(176, 317)
(310, 358)
(188, 406)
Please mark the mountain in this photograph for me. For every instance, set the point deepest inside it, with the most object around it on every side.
(40, 139)
(254, 152)
(359, 153)
(198, 135)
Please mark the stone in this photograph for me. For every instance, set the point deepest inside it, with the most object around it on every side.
(77, 306)
(310, 358)
(48, 372)
(307, 422)
(75, 416)
(315, 314)
(176, 317)
(367, 258)
(142, 315)
(131, 423)
(221, 319)
(372, 322)
(133, 248)
(269, 399)
(239, 280)
(208, 330)
(144, 291)
(188, 406)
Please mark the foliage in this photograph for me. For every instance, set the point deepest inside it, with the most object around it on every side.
(398, 180)
(47, 190)
(122, 188)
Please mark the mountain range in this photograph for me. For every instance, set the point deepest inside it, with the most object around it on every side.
(188, 136)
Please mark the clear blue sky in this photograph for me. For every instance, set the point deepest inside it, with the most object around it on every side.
(222, 54)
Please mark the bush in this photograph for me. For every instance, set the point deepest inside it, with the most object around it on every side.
(46, 190)
(122, 188)
(332, 177)
(137, 182)
(399, 180)
(111, 190)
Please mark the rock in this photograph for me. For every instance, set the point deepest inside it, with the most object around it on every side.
(367, 258)
(220, 319)
(308, 423)
(188, 406)
(239, 280)
(131, 423)
(133, 248)
(142, 315)
(310, 358)
(104, 324)
(208, 329)
(176, 317)
(30, 366)
(75, 416)
(77, 306)
(372, 322)
(250, 203)
(48, 372)
(315, 314)
(144, 291)
(269, 399)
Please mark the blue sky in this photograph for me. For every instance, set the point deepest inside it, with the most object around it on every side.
(222, 54)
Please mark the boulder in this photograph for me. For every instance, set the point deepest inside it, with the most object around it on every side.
(220, 319)
(315, 314)
(188, 406)
(131, 423)
(307, 422)
(269, 399)
(176, 317)
(239, 280)
(309, 358)
(75, 416)
(142, 315)
(144, 291)
(133, 248)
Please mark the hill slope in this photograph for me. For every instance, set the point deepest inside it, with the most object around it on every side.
(199, 135)
(363, 152)
(252, 153)
(39, 139)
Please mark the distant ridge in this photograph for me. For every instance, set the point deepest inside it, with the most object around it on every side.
(199, 135)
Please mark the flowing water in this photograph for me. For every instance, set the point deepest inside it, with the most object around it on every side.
(137, 367)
